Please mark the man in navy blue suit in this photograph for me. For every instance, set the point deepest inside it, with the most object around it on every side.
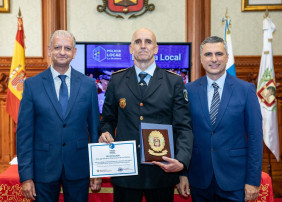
(58, 116)
(227, 126)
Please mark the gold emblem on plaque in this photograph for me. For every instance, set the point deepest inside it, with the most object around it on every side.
(157, 143)
(122, 103)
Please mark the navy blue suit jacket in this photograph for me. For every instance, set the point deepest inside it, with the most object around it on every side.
(46, 142)
(232, 149)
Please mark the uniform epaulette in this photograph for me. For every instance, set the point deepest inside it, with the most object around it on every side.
(121, 70)
(172, 72)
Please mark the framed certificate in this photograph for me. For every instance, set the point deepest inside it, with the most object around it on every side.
(115, 159)
(261, 5)
(156, 141)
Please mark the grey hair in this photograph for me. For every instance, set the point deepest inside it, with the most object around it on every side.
(213, 39)
(62, 33)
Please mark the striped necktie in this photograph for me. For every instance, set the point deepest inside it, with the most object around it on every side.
(215, 103)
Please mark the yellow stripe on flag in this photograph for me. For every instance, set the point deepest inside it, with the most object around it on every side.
(17, 72)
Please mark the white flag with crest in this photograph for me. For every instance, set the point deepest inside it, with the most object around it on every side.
(266, 91)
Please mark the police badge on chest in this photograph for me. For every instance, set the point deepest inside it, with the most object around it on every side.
(122, 103)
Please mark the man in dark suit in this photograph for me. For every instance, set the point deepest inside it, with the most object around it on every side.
(163, 102)
(57, 117)
(227, 126)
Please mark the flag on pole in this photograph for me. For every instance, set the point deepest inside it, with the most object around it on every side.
(266, 91)
(17, 73)
(230, 67)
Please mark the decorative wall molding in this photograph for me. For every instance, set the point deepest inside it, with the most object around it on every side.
(247, 68)
(33, 65)
(3, 82)
(197, 29)
(138, 9)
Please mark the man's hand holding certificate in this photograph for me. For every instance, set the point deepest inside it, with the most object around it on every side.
(114, 159)
(110, 159)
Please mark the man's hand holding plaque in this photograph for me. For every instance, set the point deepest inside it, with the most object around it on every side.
(172, 165)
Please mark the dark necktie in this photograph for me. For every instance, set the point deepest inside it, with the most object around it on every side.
(215, 103)
(63, 95)
(142, 83)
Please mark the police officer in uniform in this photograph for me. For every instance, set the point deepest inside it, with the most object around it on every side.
(146, 93)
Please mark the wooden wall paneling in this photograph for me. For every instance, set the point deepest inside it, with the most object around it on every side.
(277, 166)
(34, 65)
(247, 68)
(198, 14)
(279, 114)
(7, 141)
(197, 19)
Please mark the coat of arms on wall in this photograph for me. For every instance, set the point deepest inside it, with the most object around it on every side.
(138, 7)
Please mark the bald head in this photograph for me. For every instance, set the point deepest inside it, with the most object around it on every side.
(144, 31)
(143, 47)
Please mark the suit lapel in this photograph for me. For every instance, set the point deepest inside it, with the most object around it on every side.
(154, 83)
(225, 98)
(48, 84)
(74, 89)
(132, 83)
(204, 98)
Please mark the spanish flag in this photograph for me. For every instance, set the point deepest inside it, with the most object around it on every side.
(17, 74)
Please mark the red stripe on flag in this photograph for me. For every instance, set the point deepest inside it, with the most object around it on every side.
(18, 64)
(20, 32)
(12, 105)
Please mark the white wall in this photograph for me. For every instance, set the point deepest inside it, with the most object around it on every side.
(246, 30)
(32, 22)
(87, 24)
(167, 21)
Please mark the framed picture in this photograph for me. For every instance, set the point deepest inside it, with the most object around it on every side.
(261, 5)
(4, 6)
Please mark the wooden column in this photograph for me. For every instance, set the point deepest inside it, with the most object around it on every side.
(54, 18)
(198, 19)
(62, 14)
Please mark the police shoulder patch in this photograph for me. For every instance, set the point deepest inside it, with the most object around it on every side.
(172, 72)
(185, 95)
(121, 70)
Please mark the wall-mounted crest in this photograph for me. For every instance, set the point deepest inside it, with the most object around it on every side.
(138, 7)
